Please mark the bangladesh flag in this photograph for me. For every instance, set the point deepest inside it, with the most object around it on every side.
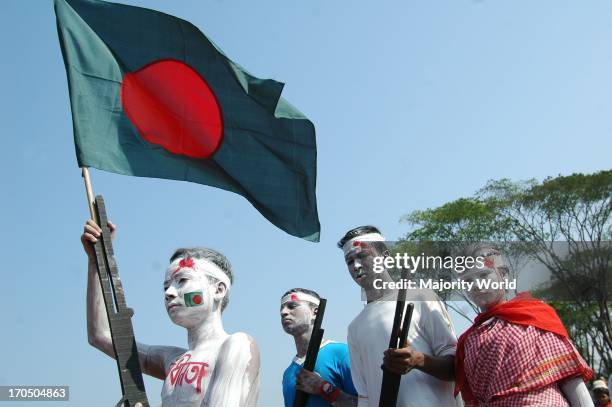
(151, 96)
(193, 299)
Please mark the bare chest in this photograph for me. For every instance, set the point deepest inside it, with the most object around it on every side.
(187, 379)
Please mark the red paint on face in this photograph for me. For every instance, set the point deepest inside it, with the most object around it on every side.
(187, 262)
(197, 299)
(172, 106)
(489, 263)
(294, 297)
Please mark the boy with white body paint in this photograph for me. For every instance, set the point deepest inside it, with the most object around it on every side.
(331, 383)
(217, 369)
(428, 357)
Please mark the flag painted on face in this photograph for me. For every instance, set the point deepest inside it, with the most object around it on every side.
(193, 299)
(152, 96)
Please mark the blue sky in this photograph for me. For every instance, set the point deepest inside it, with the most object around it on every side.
(415, 103)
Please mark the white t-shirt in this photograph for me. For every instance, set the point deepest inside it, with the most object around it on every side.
(431, 332)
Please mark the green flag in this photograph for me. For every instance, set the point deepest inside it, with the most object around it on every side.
(151, 96)
(193, 299)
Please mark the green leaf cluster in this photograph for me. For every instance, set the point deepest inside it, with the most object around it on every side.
(527, 217)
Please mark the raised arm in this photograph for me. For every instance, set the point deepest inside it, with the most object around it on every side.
(98, 330)
(235, 379)
(153, 359)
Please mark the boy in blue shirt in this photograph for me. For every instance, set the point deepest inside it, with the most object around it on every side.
(330, 384)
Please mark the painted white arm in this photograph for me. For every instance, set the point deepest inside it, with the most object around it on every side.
(235, 379)
(98, 331)
(576, 393)
(153, 359)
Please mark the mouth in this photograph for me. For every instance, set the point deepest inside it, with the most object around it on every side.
(359, 276)
(171, 306)
(286, 321)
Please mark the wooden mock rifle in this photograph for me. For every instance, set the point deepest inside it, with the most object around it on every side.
(403, 316)
(119, 315)
(313, 351)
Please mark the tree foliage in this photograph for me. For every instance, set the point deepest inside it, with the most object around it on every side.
(530, 217)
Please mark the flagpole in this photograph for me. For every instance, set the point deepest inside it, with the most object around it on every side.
(89, 191)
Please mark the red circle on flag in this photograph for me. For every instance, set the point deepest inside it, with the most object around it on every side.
(172, 106)
(197, 299)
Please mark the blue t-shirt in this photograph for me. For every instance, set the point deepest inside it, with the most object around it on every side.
(333, 365)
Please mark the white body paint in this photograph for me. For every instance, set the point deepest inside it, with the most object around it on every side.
(225, 381)
(217, 369)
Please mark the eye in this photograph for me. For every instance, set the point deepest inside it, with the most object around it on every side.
(183, 280)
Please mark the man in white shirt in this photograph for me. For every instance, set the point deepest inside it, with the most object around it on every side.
(429, 356)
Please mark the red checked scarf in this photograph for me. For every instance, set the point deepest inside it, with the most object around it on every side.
(555, 358)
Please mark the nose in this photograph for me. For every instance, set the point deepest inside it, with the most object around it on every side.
(357, 265)
(284, 312)
(170, 293)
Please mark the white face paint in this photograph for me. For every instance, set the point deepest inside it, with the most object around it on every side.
(189, 295)
(484, 298)
(297, 317)
(360, 263)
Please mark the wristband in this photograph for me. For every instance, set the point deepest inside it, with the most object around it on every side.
(328, 392)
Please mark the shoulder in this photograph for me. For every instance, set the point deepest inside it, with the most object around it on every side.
(368, 312)
(373, 316)
(435, 308)
(333, 350)
(239, 349)
(334, 347)
(353, 325)
(336, 353)
(291, 370)
(239, 341)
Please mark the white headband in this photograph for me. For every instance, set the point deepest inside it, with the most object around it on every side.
(300, 296)
(368, 237)
(201, 265)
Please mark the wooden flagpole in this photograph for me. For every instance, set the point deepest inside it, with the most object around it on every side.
(89, 191)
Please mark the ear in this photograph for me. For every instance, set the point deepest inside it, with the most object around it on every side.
(315, 311)
(220, 290)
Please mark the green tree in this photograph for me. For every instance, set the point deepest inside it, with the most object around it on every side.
(529, 217)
